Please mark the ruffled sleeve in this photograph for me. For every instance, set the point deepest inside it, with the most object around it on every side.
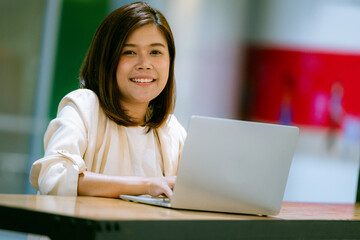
(65, 141)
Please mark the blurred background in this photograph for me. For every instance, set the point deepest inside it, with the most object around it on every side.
(279, 61)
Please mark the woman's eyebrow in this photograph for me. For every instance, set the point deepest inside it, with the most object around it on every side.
(129, 45)
(152, 45)
(158, 45)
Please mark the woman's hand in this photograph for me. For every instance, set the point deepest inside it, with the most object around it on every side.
(161, 185)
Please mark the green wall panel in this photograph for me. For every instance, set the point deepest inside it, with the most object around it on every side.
(79, 21)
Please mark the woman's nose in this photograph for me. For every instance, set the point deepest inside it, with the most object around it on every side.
(144, 62)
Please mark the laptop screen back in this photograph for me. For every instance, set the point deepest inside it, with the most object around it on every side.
(234, 166)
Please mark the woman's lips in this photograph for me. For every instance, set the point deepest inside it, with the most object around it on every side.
(142, 80)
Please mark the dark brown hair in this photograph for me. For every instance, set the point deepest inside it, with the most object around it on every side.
(98, 71)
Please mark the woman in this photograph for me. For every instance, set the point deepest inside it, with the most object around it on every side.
(117, 135)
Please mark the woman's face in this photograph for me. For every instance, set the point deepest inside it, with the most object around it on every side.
(143, 68)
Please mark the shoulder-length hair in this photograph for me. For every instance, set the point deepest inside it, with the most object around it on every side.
(98, 71)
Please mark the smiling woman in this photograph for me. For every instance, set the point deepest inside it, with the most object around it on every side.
(117, 135)
(112, 44)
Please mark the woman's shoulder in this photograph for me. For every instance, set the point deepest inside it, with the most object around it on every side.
(81, 98)
(173, 127)
(172, 121)
(81, 101)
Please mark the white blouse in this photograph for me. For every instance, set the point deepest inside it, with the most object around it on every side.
(82, 137)
(144, 152)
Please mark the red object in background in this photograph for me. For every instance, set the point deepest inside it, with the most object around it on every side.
(301, 87)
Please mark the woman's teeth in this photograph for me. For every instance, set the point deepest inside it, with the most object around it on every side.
(142, 80)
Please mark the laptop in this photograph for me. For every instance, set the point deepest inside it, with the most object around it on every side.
(231, 166)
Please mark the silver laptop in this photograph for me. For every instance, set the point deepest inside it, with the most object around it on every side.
(231, 166)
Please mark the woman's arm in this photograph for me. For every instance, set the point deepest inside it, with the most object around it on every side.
(101, 185)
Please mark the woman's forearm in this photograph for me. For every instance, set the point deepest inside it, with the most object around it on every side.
(101, 185)
(95, 184)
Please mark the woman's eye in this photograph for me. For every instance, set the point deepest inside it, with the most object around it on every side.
(155, 52)
(128, 52)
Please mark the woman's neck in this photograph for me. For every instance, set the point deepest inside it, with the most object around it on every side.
(136, 112)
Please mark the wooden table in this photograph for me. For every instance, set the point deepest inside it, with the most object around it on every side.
(102, 218)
